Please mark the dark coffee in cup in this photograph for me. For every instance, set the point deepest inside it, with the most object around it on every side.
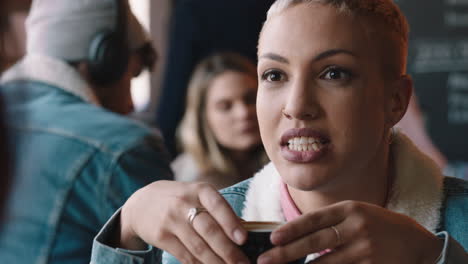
(258, 239)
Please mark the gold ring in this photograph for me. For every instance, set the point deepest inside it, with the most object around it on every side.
(338, 235)
(193, 212)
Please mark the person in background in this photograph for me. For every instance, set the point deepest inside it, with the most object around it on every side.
(200, 28)
(5, 177)
(332, 85)
(7, 7)
(77, 158)
(3, 28)
(219, 132)
(14, 32)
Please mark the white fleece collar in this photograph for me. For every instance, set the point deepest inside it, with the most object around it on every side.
(417, 190)
(52, 71)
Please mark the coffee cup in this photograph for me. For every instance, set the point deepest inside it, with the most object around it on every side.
(258, 239)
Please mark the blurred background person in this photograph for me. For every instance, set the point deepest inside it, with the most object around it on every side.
(4, 171)
(7, 8)
(12, 18)
(198, 29)
(3, 28)
(77, 159)
(219, 132)
(437, 118)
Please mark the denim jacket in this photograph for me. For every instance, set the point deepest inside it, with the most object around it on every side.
(453, 229)
(75, 163)
(440, 204)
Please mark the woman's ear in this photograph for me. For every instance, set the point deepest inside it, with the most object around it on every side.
(400, 95)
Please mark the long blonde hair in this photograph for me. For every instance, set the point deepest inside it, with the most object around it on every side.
(195, 134)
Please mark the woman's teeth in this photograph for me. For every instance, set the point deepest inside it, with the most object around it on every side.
(305, 144)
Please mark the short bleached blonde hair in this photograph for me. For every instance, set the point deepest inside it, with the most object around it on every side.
(392, 28)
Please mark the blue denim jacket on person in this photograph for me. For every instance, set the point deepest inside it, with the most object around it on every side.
(453, 229)
(419, 190)
(75, 165)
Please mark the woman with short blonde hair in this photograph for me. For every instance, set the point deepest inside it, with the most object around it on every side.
(347, 187)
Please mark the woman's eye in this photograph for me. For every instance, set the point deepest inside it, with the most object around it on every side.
(336, 74)
(273, 76)
(223, 106)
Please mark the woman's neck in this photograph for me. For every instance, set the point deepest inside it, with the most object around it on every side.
(370, 185)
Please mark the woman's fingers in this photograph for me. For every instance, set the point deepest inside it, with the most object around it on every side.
(321, 242)
(320, 232)
(354, 232)
(207, 236)
(309, 223)
(160, 212)
(177, 249)
(222, 213)
(197, 246)
(214, 236)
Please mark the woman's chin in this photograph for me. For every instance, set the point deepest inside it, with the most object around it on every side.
(304, 180)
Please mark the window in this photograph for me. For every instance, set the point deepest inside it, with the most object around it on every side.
(141, 86)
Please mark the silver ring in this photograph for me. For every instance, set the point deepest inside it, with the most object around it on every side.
(193, 212)
(338, 235)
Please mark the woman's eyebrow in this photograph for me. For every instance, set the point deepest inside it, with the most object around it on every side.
(332, 52)
(321, 56)
(275, 57)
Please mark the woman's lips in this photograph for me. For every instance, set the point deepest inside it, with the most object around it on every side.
(304, 145)
(303, 156)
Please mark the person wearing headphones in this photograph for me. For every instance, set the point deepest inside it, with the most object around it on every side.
(77, 159)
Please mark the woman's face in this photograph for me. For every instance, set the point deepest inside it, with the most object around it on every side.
(321, 101)
(230, 111)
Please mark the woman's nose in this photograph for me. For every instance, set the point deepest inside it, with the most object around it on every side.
(301, 102)
(244, 111)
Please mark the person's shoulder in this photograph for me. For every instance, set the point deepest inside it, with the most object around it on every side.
(240, 188)
(455, 209)
(113, 132)
(183, 160)
(185, 168)
(456, 198)
(235, 195)
(56, 112)
(454, 187)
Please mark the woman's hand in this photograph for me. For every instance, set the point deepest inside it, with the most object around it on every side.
(157, 215)
(355, 232)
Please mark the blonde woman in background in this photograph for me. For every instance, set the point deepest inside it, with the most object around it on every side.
(219, 132)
